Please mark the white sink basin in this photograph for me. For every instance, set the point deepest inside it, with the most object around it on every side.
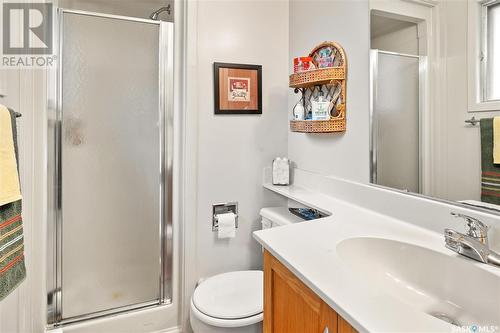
(448, 288)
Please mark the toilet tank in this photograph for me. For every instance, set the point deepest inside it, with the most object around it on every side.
(277, 216)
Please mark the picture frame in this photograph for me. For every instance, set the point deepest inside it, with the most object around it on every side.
(237, 89)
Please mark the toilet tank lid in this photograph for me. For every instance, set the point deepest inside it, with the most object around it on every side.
(232, 295)
(279, 215)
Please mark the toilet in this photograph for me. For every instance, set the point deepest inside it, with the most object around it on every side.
(233, 302)
(229, 302)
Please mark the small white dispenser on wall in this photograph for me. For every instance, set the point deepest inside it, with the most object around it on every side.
(225, 219)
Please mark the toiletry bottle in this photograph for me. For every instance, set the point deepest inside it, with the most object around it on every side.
(298, 111)
(320, 108)
(309, 115)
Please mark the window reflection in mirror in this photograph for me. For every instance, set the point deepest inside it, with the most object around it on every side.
(491, 51)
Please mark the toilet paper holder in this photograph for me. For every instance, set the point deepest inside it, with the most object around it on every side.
(221, 208)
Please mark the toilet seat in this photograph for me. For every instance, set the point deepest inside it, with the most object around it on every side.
(231, 299)
(227, 323)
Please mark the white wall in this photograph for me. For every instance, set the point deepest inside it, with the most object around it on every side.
(401, 41)
(234, 149)
(24, 309)
(460, 143)
(346, 154)
(460, 166)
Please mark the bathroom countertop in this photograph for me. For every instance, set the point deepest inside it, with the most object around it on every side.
(309, 250)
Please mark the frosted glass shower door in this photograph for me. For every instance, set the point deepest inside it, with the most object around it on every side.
(396, 121)
(110, 163)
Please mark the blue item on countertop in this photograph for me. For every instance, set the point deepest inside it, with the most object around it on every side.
(307, 214)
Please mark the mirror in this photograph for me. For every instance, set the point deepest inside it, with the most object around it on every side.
(428, 93)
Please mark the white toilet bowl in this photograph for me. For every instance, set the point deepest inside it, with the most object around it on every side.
(229, 302)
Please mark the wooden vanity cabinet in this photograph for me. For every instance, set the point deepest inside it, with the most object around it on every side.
(291, 307)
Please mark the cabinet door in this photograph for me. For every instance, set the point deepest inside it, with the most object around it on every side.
(345, 327)
(329, 319)
(289, 306)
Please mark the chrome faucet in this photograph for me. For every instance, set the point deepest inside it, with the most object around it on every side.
(474, 228)
(474, 244)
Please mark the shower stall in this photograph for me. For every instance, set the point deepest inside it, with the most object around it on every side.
(396, 120)
(110, 166)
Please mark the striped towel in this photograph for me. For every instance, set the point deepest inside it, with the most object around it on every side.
(490, 175)
(12, 268)
(10, 190)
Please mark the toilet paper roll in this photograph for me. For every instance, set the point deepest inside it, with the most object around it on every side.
(227, 225)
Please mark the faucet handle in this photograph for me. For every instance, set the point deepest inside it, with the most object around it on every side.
(475, 228)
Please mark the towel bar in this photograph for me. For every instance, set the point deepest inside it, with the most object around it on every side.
(17, 114)
(472, 121)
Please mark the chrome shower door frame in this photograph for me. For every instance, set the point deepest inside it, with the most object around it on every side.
(373, 143)
(54, 174)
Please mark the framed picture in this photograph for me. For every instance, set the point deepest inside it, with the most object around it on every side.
(237, 88)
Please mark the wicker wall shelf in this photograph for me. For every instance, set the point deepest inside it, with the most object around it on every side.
(306, 83)
(336, 124)
(316, 77)
(317, 126)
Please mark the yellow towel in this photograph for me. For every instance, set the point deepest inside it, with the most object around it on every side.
(10, 190)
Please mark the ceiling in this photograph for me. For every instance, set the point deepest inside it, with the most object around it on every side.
(381, 25)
